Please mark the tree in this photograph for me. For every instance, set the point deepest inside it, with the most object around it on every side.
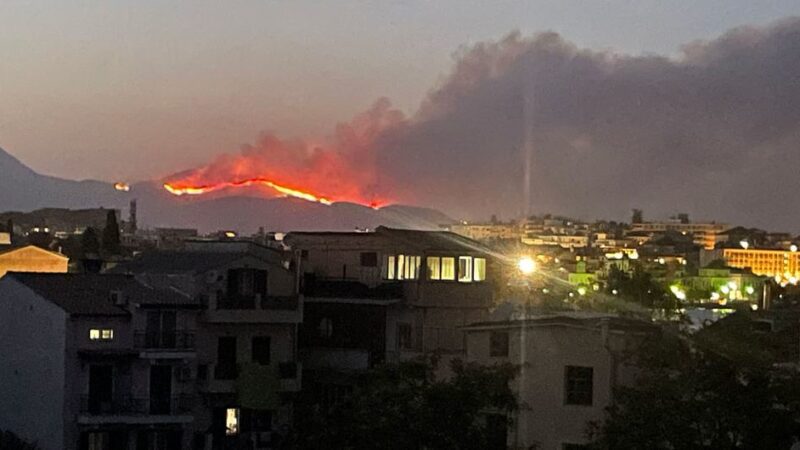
(111, 233)
(717, 389)
(404, 406)
(89, 242)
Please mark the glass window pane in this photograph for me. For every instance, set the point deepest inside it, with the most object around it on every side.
(401, 266)
(390, 275)
(465, 269)
(434, 268)
(448, 268)
(94, 334)
(480, 269)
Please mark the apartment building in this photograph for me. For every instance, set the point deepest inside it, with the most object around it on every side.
(97, 362)
(784, 264)
(389, 294)
(247, 363)
(569, 365)
(704, 234)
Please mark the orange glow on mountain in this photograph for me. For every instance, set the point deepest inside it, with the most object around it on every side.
(287, 191)
(341, 167)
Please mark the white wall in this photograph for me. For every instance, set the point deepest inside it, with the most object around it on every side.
(543, 352)
(32, 344)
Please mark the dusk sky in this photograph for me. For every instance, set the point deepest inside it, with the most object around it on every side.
(136, 90)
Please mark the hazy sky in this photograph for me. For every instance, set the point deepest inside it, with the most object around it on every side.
(139, 89)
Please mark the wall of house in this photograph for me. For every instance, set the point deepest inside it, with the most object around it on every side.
(544, 352)
(32, 259)
(32, 346)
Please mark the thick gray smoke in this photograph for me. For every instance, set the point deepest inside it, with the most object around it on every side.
(714, 132)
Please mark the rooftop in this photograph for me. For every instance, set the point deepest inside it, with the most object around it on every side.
(90, 294)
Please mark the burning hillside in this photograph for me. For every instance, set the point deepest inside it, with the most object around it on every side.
(339, 168)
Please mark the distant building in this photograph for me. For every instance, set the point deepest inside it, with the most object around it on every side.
(31, 258)
(569, 366)
(488, 231)
(784, 264)
(704, 234)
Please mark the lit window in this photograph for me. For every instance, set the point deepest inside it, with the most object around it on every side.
(479, 266)
(401, 264)
(101, 334)
(412, 267)
(232, 421)
(465, 269)
(390, 275)
(434, 268)
(448, 268)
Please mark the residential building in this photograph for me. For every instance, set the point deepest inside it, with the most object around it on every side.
(31, 258)
(783, 264)
(569, 366)
(387, 295)
(96, 362)
(488, 231)
(704, 233)
(247, 335)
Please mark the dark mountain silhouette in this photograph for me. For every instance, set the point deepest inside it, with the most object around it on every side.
(22, 189)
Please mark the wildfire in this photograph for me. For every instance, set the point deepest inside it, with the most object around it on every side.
(120, 186)
(286, 191)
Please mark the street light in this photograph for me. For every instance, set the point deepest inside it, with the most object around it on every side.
(526, 265)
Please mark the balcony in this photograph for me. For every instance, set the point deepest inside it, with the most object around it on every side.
(254, 309)
(226, 376)
(176, 340)
(351, 289)
(136, 410)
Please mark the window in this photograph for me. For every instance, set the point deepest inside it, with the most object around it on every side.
(401, 264)
(578, 385)
(404, 336)
(412, 267)
(226, 358)
(434, 268)
(465, 269)
(390, 267)
(448, 268)
(479, 268)
(101, 334)
(325, 328)
(261, 350)
(369, 259)
(231, 421)
(498, 343)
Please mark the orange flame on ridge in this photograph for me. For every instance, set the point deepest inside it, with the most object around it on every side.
(286, 191)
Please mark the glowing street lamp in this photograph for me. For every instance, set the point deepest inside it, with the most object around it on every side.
(526, 265)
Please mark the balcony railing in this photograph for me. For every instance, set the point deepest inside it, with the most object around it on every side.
(124, 406)
(176, 340)
(286, 371)
(344, 288)
(258, 302)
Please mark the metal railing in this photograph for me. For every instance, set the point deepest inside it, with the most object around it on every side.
(126, 405)
(258, 302)
(178, 340)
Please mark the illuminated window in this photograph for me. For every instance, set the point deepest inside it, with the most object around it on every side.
(412, 267)
(465, 269)
(401, 264)
(479, 266)
(232, 421)
(434, 268)
(390, 275)
(448, 268)
(101, 334)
